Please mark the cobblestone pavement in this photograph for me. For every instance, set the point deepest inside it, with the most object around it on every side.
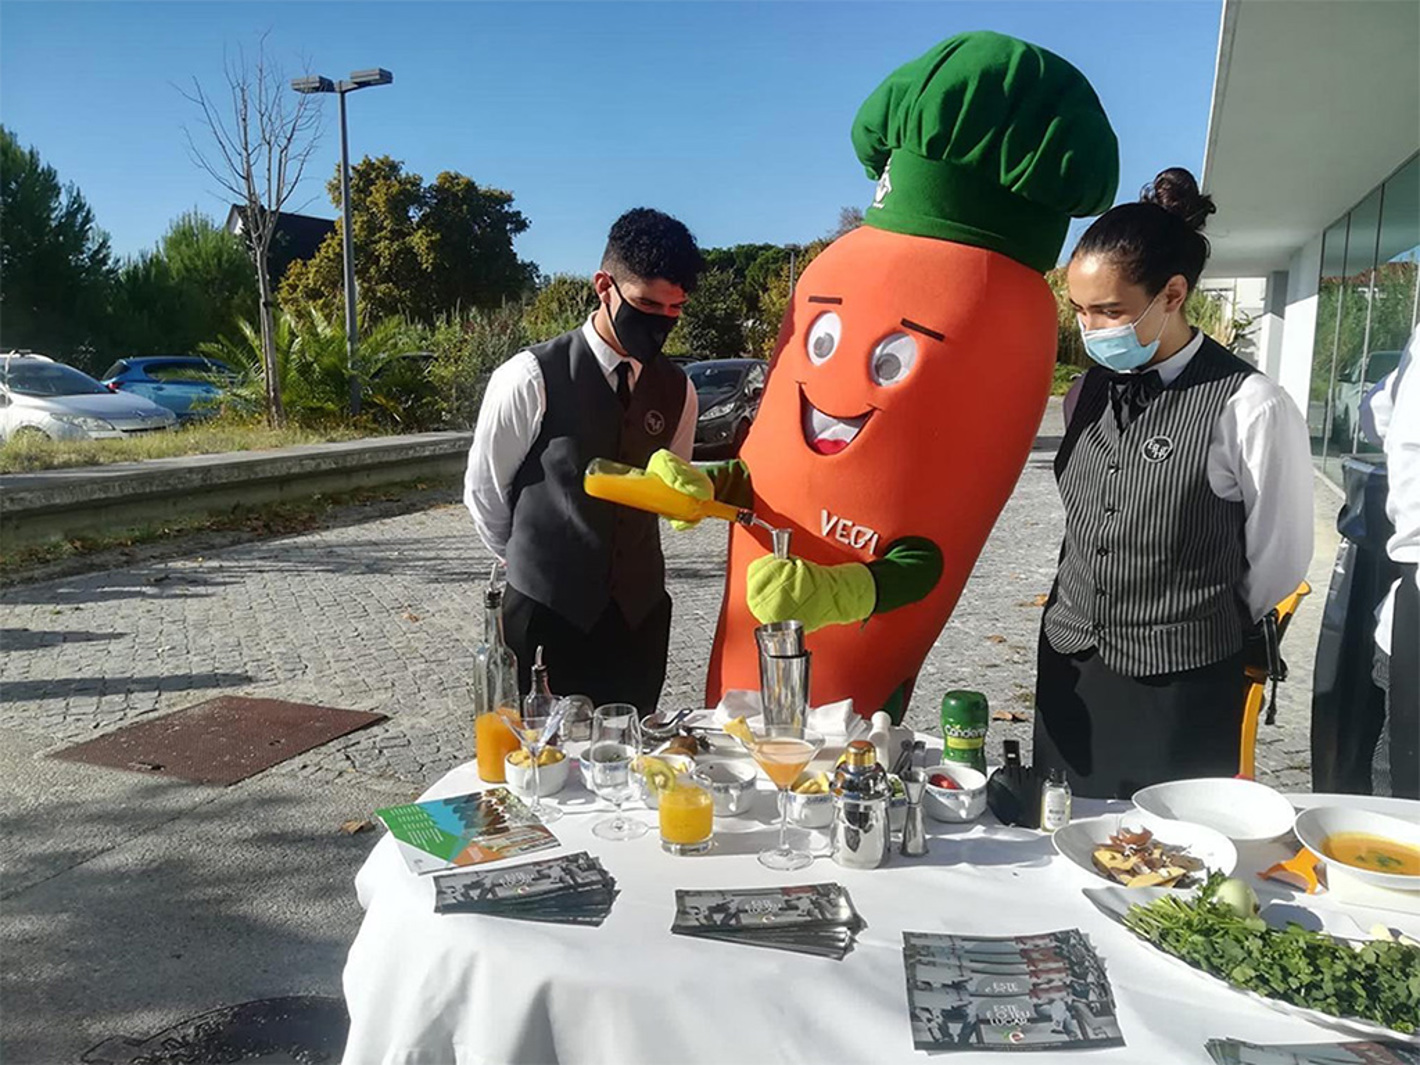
(384, 616)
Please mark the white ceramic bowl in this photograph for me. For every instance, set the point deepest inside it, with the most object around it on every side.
(551, 778)
(731, 782)
(1077, 840)
(1243, 810)
(1314, 825)
(955, 805)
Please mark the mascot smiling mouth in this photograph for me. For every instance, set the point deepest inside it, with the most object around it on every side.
(826, 434)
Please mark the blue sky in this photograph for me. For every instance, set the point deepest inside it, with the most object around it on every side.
(732, 116)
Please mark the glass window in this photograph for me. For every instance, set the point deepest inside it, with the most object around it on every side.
(32, 377)
(1329, 296)
(709, 377)
(1353, 332)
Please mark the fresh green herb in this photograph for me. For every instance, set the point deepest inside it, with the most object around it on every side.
(1379, 982)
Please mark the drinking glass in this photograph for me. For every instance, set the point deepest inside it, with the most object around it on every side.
(783, 758)
(687, 817)
(616, 742)
(537, 728)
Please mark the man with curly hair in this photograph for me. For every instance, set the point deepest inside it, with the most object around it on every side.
(586, 579)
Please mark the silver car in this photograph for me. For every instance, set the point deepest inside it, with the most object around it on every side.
(41, 396)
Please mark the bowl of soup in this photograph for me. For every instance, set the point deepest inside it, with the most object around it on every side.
(1376, 848)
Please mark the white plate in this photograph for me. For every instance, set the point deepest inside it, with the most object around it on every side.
(1078, 840)
(1314, 825)
(1115, 901)
(1243, 810)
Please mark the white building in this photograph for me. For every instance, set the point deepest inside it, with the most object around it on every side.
(1313, 159)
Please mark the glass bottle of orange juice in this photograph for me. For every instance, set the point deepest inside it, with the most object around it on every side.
(495, 692)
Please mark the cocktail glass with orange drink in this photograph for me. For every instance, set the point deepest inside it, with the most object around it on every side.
(782, 758)
(494, 741)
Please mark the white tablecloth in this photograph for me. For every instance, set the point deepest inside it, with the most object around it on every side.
(476, 990)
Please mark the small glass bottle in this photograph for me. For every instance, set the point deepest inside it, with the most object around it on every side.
(1054, 802)
(495, 692)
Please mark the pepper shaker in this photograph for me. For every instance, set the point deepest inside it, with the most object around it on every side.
(914, 832)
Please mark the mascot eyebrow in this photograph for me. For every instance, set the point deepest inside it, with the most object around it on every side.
(923, 330)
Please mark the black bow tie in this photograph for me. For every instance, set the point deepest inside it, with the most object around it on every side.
(1130, 393)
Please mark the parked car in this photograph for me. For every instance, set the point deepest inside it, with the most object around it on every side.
(188, 385)
(43, 397)
(1351, 390)
(729, 392)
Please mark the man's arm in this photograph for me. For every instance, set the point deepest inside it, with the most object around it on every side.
(683, 443)
(508, 423)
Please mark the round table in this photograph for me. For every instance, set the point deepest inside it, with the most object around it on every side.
(475, 990)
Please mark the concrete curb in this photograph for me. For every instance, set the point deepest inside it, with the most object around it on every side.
(58, 503)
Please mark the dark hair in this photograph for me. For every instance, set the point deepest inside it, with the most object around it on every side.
(1159, 236)
(648, 244)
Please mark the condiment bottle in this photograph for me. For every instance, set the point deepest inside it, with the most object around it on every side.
(861, 833)
(1054, 802)
(965, 717)
(495, 691)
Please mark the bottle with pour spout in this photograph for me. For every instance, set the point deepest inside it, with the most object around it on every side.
(495, 690)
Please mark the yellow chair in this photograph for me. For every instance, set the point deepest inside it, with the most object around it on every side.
(1257, 676)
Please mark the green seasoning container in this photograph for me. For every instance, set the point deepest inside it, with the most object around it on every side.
(964, 720)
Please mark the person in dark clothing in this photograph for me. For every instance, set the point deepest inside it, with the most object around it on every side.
(1187, 483)
(586, 579)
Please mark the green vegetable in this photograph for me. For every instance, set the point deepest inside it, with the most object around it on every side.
(1380, 982)
(1238, 896)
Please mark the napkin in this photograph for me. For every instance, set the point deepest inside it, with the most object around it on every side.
(835, 722)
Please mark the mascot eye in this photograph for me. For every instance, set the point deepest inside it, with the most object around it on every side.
(823, 337)
(893, 359)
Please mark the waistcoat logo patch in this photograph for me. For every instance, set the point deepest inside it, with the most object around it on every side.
(1157, 448)
(655, 422)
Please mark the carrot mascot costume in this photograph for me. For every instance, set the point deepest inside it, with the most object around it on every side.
(912, 368)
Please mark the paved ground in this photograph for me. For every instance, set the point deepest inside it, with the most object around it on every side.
(129, 903)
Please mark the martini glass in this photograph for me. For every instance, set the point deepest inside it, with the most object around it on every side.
(783, 758)
(538, 728)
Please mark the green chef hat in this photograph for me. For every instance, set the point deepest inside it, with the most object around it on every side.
(990, 141)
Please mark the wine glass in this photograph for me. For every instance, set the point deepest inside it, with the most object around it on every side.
(616, 742)
(540, 723)
(783, 758)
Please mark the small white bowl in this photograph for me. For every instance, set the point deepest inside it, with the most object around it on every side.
(1243, 810)
(1077, 841)
(956, 806)
(731, 782)
(1314, 825)
(808, 811)
(551, 778)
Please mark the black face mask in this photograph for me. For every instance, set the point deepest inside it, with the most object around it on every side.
(640, 334)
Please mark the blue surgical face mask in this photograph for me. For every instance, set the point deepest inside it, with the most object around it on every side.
(1118, 348)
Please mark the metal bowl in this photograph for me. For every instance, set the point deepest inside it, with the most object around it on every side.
(731, 783)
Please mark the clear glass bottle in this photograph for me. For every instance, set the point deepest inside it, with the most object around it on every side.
(1054, 802)
(495, 692)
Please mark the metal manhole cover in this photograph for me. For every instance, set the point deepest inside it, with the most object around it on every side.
(300, 1029)
(220, 741)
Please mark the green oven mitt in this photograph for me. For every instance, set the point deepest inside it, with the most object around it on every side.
(794, 590)
(683, 477)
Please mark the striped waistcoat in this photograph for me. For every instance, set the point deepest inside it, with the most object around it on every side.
(1153, 562)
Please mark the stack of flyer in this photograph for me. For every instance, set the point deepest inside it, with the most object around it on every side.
(816, 919)
(568, 889)
(485, 826)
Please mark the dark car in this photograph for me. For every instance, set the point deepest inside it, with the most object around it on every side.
(729, 392)
(188, 385)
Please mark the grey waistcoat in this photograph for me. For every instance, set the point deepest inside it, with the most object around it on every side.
(1152, 566)
(569, 552)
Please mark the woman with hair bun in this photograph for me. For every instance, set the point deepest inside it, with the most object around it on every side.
(1187, 484)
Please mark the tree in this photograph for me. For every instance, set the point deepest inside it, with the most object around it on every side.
(712, 325)
(849, 219)
(192, 288)
(55, 265)
(561, 304)
(258, 145)
(422, 251)
(763, 329)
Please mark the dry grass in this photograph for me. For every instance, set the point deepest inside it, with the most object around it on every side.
(30, 452)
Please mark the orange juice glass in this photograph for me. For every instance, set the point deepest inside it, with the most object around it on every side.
(494, 741)
(687, 813)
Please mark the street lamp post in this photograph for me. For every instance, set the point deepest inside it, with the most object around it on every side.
(360, 79)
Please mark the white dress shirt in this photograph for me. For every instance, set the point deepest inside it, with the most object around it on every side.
(1390, 418)
(509, 421)
(1260, 455)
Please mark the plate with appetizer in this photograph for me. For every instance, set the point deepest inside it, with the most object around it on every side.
(1139, 850)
